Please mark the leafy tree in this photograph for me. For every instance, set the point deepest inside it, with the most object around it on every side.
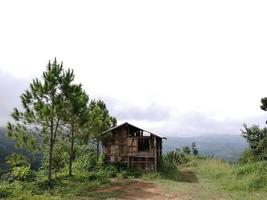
(186, 150)
(41, 118)
(76, 117)
(99, 121)
(257, 140)
(194, 149)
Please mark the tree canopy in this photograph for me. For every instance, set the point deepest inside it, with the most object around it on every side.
(55, 109)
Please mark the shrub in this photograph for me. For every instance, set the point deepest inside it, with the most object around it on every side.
(5, 190)
(257, 182)
(17, 160)
(176, 157)
(111, 171)
(258, 168)
(23, 173)
(8, 177)
(247, 156)
(86, 159)
(100, 162)
(43, 185)
(124, 174)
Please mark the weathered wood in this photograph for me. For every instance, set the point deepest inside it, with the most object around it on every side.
(128, 145)
(155, 156)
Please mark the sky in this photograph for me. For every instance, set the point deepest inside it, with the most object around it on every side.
(179, 68)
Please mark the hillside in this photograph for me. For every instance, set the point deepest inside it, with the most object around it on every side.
(200, 179)
(228, 147)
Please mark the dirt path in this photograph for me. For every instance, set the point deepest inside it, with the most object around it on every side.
(139, 189)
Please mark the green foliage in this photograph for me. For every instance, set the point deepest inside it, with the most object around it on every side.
(59, 159)
(111, 171)
(76, 117)
(23, 173)
(257, 140)
(17, 160)
(42, 116)
(100, 162)
(186, 150)
(99, 121)
(194, 149)
(175, 157)
(5, 190)
(247, 157)
(250, 176)
(258, 168)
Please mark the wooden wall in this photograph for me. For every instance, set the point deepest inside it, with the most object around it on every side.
(123, 146)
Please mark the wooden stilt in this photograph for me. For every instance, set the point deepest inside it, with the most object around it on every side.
(155, 157)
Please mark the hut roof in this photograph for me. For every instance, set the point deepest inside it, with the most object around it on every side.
(135, 127)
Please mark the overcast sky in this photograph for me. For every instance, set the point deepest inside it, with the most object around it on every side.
(179, 68)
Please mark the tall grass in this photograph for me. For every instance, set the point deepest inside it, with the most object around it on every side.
(242, 177)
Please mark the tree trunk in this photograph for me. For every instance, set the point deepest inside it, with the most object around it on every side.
(71, 154)
(50, 160)
(51, 145)
(97, 149)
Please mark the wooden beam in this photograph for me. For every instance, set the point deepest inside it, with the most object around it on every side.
(155, 157)
(128, 160)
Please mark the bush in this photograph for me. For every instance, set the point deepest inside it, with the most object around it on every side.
(5, 190)
(23, 173)
(17, 160)
(8, 177)
(176, 157)
(111, 171)
(258, 168)
(247, 156)
(257, 182)
(85, 159)
(124, 174)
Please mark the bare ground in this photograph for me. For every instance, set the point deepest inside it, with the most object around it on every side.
(141, 189)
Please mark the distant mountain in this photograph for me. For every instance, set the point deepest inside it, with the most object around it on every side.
(228, 147)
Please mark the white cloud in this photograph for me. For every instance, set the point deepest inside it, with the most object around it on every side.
(205, 57)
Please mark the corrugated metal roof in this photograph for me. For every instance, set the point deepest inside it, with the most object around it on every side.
(126, 123)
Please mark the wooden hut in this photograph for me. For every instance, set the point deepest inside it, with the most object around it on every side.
(133, 146)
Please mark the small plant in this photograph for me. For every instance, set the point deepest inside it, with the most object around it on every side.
(23, 173)
(17, 160)
(186, 150)
(100, 162)
(194, 149)
(5, 190)
(175, 157)
(111, 171)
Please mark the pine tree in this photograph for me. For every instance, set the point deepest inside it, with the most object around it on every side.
(99, 121)
(41, 119)
(76, 118)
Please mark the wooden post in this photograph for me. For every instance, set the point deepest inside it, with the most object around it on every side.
(128, 157)
(155, 153)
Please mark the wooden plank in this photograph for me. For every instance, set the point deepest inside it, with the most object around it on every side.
(128, 160)
(155, 157)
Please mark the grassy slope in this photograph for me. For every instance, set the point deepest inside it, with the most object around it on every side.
(199, 179)
(215, 179)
